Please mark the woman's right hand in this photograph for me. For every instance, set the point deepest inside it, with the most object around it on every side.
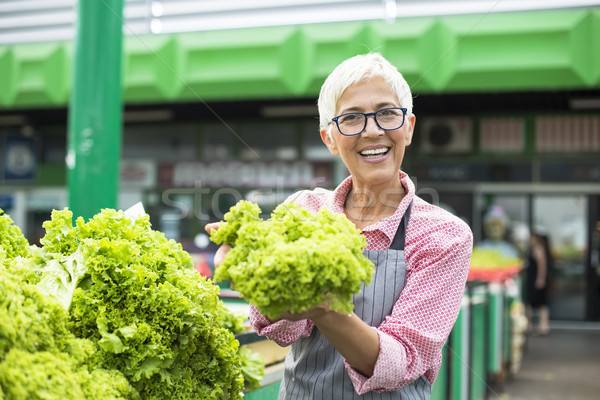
(223, 249)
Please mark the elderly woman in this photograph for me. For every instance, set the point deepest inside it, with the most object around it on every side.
(390, 347)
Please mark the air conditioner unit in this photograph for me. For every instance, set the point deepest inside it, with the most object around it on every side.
(446, 136)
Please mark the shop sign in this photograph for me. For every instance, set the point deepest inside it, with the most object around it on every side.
(464, 172)
(246, 174)
(138, 173)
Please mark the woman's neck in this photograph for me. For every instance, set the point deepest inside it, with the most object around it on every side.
(366, 205)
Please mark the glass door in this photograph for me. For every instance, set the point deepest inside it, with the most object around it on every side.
(593, 268)
(564, 218)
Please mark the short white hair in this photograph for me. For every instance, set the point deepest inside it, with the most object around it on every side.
(358, 69)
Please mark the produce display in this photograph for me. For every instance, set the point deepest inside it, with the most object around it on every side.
(294, 260)
(253, 368)
(109, 309)
(253, 365)
(490, 265)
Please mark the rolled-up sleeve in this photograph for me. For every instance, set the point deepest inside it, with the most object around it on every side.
(388, 368)
(282, 332)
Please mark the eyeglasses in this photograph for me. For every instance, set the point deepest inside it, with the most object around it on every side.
(388, 119)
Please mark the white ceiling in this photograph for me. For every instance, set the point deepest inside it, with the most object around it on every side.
(54, 20)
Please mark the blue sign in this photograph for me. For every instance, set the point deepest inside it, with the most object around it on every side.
(19, 161)
(6, 201)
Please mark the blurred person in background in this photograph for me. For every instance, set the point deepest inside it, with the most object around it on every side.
(495, 226)
(539, 266)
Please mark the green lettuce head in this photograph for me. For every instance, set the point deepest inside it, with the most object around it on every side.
(293, 261)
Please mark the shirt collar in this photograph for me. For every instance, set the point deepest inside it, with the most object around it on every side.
(387, 226)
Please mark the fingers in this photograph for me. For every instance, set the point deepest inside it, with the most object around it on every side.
(293, 316)
(211, 226)
(311, 313)
(220, 254)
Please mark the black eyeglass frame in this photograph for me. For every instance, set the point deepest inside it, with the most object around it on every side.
(367, 115)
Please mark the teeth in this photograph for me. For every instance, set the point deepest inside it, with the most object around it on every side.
(374, 152)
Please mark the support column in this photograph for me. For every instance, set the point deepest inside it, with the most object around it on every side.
(95, 108)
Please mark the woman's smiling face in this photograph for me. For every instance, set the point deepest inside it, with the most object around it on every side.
(374, 156)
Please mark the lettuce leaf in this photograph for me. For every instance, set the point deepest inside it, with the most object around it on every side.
(12, 241)
(253, 368)
(60, 276)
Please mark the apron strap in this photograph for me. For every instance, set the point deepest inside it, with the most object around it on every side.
(400, 237)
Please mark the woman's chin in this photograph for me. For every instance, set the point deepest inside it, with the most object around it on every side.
(379, 177)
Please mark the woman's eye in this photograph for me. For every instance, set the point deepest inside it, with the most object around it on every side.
(388, 113)
(351, 119)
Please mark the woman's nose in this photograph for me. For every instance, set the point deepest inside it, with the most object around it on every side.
(372, 128)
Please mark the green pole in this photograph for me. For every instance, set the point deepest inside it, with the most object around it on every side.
(95, 108)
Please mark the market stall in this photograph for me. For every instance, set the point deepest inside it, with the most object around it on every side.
(486, 343)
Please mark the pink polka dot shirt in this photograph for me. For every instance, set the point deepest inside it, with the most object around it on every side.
(438, 250)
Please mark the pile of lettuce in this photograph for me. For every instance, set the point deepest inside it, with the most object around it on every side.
(40, 358)
(116, 302)
(294, 260)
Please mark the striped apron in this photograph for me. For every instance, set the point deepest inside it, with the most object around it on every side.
(314, 370)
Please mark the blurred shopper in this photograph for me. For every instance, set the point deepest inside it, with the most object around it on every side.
(390, 347)
(539, 267)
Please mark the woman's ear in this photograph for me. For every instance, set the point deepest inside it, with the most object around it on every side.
(329, 142)
(411, 128)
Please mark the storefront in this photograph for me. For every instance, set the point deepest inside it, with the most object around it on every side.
(506, 107)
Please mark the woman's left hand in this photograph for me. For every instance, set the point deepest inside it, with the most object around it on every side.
(223, 249)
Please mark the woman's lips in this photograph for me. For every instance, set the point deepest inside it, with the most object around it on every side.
(374, 154)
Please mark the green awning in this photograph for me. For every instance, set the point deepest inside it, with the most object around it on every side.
(514, 51)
